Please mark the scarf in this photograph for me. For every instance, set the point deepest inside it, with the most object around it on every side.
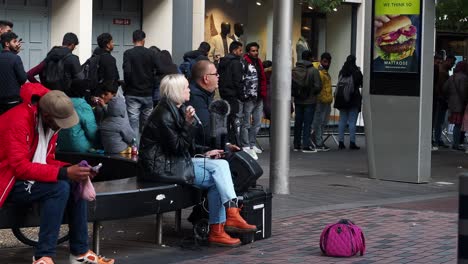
(40, 156)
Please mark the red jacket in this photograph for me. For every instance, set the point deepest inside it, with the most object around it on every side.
(19, 142)
(262, 82)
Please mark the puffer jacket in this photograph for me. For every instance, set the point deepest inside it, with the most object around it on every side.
(81, 137)
(456, 91)
(167, 137)
(19, 140)
(116, 132)
(230, 76)
(326, 94)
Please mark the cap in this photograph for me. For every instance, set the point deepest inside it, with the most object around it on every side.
(57, 104)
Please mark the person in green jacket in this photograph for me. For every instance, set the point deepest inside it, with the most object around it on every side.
(81, 137)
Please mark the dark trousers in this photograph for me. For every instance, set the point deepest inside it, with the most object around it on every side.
(440, 112)
(302, 124)
(234, 121)
(54, 200)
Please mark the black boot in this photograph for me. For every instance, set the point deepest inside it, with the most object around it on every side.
(352, 145)
(341, 145)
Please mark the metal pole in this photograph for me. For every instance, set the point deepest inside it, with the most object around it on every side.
(96, 236)
(281, 96)
(463, 220)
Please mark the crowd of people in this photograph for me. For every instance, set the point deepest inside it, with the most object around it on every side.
(162, 108)
(450, 100)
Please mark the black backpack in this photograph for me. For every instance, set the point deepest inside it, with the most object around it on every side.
(300, 83)
(53, 76)
(91, 72)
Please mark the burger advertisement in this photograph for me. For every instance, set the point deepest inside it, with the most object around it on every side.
(396, 33)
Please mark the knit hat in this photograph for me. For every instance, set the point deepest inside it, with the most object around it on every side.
(59, 106)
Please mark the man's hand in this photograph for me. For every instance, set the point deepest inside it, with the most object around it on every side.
(232, 147)
(215, 153)
(78, 174)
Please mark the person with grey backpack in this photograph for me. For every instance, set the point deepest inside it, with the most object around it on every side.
(348, 100)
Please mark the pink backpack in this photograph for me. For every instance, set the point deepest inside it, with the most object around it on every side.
(343, 239)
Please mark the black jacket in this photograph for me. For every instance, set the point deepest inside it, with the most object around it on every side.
(201, 99)
(71, 63)
(356, 98)
(107, 71)
(195, 55)
(139, 65)
(12, 76)
(166, 140)
(230, 76)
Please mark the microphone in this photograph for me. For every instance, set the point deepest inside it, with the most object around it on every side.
(198, 119)
(194, 115)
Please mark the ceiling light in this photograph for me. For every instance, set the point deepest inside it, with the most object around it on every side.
(310, 7)
(335, 9)
(259, 3)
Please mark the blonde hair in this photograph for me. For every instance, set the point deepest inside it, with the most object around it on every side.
(172, 87)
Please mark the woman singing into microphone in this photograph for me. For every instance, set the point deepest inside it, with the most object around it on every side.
(166, 148)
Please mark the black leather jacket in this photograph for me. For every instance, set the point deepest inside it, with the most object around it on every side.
(166, 146)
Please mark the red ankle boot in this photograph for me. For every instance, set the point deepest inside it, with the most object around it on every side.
(219, 237)
(235, 223)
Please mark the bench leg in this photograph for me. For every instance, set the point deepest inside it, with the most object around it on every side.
(159, 220)
(178, 220)
(96, 236)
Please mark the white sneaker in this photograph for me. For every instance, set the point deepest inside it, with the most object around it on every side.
(257, 150)
(251, 152)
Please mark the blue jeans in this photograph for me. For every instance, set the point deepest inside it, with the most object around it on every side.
(251, 109)
(214, 175)
(137, 107)
(322, 112)
(348, 117)
(304, 116)
(54, 199)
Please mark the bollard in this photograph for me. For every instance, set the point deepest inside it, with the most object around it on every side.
(463, 220)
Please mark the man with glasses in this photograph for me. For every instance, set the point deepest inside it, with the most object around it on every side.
(202, 88)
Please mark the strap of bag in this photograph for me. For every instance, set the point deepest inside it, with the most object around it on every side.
(323, 237)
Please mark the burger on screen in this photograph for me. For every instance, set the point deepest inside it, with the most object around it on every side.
(396, 39)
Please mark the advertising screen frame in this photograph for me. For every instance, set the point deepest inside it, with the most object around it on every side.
(396, 83)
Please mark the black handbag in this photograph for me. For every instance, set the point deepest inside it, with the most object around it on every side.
(175, 169)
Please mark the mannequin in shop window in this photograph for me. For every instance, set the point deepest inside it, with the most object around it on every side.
(238, 32)
(301, 46)
(220, 43)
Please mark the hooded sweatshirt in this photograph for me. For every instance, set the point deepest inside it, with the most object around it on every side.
(116, 132)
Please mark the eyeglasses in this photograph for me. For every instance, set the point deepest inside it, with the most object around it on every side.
(215, 74)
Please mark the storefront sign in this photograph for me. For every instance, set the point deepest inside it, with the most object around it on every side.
(397, 31)
(121, 21)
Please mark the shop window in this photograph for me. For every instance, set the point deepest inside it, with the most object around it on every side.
(312, 30)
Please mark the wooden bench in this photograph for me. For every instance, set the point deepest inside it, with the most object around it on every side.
(119, 196)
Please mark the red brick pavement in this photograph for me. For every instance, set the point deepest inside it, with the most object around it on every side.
(392, 236)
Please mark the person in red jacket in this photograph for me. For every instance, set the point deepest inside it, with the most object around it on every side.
(253, 91)
(29, 172)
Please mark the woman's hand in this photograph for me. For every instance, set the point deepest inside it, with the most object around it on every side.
(215, 153)
(232, 147)
(189, 113)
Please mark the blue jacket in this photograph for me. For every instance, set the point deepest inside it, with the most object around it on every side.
(116, 132)
(81, 137)
(12, 76)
